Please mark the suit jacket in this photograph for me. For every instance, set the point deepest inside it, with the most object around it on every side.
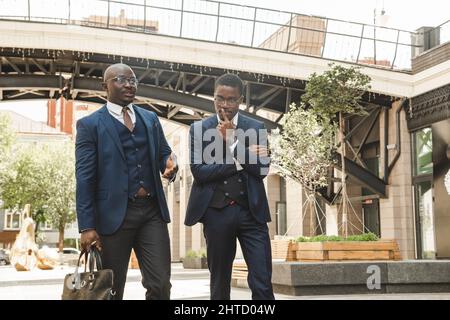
(208, 174)
(102, 174)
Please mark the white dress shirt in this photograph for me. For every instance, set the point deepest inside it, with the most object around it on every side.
(233, 146)
(116, 111)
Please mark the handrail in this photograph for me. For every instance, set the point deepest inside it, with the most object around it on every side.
(314, 35)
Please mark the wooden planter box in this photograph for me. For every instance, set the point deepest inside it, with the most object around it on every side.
(239, 271)
(347, 250)
(195, 263)
(282, 249)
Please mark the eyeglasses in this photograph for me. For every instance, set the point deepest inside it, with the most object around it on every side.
(122, 80)
(230, 101)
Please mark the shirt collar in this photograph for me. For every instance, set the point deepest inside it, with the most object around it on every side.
(234, 120)
(116, 109)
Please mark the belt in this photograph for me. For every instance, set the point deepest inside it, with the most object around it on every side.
(142, 193)
(141, 199)
(234, 202)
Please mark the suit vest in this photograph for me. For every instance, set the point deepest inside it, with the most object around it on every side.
(137, 154)
(231, 189)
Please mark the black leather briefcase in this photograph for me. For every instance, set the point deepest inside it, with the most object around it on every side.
(89, 285)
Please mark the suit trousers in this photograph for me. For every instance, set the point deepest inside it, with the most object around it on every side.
(222, 227)
(144, 231)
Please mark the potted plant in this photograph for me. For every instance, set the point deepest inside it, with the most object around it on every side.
(195, 259)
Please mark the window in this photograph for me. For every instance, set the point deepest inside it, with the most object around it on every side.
(46, 226)
(423, 193)
(13, 219)
(423, 151)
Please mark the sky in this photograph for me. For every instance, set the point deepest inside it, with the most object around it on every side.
(403, 14)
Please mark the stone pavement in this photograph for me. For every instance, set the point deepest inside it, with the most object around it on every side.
(186, 285)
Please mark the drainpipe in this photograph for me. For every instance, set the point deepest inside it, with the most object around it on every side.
(398, 140)
(386, 140)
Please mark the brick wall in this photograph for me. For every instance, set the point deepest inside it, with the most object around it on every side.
(431, 58)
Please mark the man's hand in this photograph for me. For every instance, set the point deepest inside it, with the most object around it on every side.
(259, 150)
(88, 238)
(171, 166)
(226, 128)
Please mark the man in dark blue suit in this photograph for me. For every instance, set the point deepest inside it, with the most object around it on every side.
(229, 160)
(120, 152)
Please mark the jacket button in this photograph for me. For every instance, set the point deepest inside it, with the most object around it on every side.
(227, 194)
(239, 180)
(225, 182)
(242, 193)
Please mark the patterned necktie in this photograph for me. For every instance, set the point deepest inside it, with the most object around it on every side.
(127, 119)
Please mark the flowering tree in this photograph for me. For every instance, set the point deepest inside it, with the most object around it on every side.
(42, 176)
(338, 91)
(303, 151)
(7, 138)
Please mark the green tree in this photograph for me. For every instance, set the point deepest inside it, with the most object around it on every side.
(333, 94)
(7, 138)
(43, 177)
(61, 201)
(23, 181)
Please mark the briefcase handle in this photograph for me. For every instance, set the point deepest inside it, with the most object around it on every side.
(91, 257)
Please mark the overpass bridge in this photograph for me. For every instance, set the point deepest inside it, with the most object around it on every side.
(177, 48)
(50, 49)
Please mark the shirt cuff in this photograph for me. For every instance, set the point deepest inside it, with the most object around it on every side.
(86, 230)
(238, 165)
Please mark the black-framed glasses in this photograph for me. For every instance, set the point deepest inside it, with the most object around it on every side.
(230, 101)
(133, 81)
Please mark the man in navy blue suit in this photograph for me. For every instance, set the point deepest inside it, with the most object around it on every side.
(120, 152)
(229, 160)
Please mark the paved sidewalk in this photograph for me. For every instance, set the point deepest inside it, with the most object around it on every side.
(186, 285)
(10, 277)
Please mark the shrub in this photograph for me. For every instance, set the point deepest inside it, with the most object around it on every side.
(196, 254)
(191, 254)
(321, 238)
(202, 253)
(363, 237)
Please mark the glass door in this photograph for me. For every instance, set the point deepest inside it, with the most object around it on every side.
(371, 211)
(423, 194)
(426, 244)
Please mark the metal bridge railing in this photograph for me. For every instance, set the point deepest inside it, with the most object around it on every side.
(223, 22)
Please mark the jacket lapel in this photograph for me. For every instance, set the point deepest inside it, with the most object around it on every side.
(242, 122)
(149, 126)
(108, 122)
(211, 122)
